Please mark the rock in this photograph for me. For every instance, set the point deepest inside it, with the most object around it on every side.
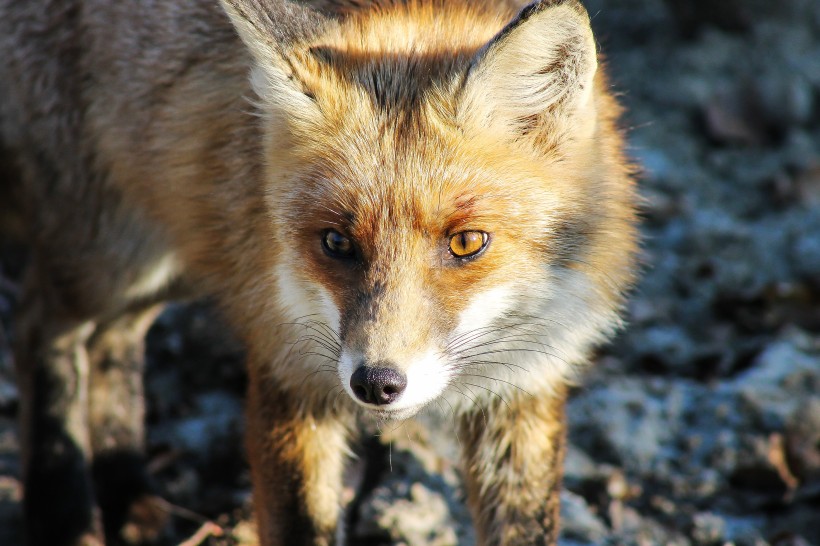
(729, 119)
(636, 530)
(805, 249)
(578, 466)
(708, 528)
(745, 531)
(807, 184)
(782, 97)
(217, 418)
(785, 374)
(414, 505)
(414, 515)
(623, 423)
(803, 441)
(578, 522)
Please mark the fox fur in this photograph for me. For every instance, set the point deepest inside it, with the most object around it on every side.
(307, 165)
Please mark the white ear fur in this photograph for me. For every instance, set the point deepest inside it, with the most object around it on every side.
(268, 35)
(540, 68)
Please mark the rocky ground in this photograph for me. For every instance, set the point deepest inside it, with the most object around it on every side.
(700, 425)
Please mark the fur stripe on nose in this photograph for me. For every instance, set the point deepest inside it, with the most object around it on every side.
(377, 385)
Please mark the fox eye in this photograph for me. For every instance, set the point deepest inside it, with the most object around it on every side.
(337, 245)
(468, 243)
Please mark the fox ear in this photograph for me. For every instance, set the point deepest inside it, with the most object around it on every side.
(270, 30)
(536, 75)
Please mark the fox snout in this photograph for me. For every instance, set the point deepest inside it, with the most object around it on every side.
(394, 388)
(379, 385)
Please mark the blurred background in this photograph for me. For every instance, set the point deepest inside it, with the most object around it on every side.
(700, 425)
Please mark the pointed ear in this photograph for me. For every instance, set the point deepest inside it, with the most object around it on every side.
(271, 30)
(536, 75)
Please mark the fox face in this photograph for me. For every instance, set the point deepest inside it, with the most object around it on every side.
(452, 221)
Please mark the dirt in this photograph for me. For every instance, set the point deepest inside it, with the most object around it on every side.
(700, 424)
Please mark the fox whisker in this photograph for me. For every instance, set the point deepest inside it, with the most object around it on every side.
(524, 338)
(331, 334)
(491, 391)
(315, 353)
(453, 417)
(512, 350)
(504, 339)
(478, 333)
(298, 320)
(332, 348)
(336, 400)
(323, 368)
(471, 399)
(496, 379)
(320, 333)
(541, 322)
(465, 363)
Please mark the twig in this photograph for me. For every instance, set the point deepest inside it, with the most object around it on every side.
(208, 529)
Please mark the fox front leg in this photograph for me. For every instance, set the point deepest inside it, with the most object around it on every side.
(297, 460)
(513, 457)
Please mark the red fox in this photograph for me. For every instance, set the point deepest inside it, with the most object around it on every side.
(424, 203)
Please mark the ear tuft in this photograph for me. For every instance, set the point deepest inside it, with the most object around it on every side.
(536, 74)
(271, 29)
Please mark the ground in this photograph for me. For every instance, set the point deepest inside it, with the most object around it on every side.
(700, 424)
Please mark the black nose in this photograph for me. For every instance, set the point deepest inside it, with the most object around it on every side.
(377, 386)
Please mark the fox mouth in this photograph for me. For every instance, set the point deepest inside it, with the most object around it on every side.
(393, 414)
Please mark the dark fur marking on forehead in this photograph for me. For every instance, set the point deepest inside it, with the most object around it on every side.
(344, 8)
(396, 82)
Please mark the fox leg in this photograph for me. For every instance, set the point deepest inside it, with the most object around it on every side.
(53, 371)
(513, 463)
(297, 458)
(117, 431)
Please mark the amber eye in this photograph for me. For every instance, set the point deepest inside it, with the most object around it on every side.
(337, 245)
(468, 243)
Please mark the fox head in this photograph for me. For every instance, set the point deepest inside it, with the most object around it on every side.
(453, 217)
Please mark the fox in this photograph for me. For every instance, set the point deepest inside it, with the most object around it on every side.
(397, 205)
